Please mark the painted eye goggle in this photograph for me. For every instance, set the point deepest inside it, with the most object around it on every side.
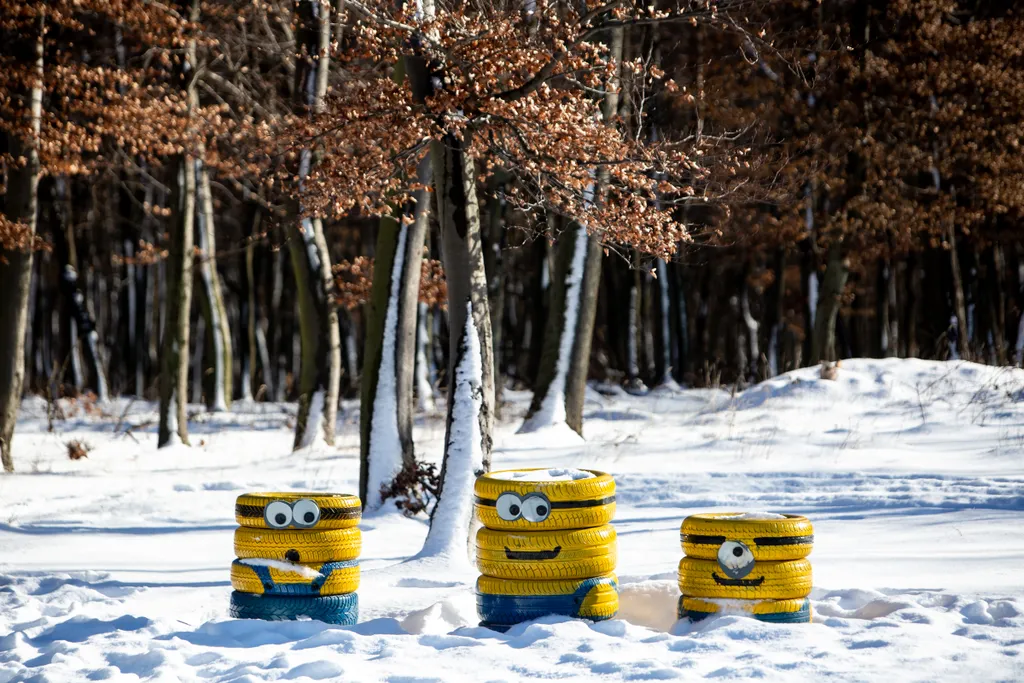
(534, 507)
(280, 514)
(697, 539)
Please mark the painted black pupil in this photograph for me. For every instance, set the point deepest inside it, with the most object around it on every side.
(542, 510)
(280, 518)
(737, 551)
(514, 510)
(309, 517)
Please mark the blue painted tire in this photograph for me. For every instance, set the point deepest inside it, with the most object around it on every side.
(330, 609)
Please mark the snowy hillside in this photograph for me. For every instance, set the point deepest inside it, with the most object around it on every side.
(115, 567)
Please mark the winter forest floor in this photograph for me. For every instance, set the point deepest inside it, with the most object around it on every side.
(115, 567)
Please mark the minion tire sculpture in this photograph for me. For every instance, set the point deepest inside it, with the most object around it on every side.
(297, 557)
(739, 563)
(546, 548)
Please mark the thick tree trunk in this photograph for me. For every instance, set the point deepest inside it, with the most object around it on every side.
(219, 359)
(20, 206)
(469, 424)
(320, 367)
(837, 271)
(387, 399)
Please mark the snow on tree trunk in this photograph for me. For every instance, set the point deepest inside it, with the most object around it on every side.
(448, 537)
(551, 410)
(384, 450)
(314, 426)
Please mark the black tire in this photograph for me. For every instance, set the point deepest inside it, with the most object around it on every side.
(330, 609)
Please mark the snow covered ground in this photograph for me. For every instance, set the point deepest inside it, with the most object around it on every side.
(115, 567)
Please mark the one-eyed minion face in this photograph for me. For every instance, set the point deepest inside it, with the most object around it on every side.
(746, 555)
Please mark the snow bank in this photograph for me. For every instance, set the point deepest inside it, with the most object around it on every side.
(567, 474)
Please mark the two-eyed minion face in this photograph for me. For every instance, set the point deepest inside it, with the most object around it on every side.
(533, 507)
(300, 514)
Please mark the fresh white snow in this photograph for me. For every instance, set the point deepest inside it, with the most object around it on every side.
(314, 433)
(290, 567)
(754, 516)
(385, 445)
(116, 566)
(563, 474)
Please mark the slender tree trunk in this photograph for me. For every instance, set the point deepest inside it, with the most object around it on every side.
(19, 206)
(174, 351)
(837, 272)
(320, 367)
(220, 361)
(174, 345)
(959, 302)
(753, 328)
(913, 305)
(387, 399)
(776, 315)
(495, 269)
(996, 266)
(549, 406)
(537, 316)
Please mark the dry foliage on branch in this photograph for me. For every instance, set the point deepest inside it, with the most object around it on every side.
(353, 281)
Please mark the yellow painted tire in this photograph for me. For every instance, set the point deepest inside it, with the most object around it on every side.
(577, 504)
(542, 555)
(332, 545)
(786, 580)
(336, 510)
(336, 578)
(505, 601)
(773, 540)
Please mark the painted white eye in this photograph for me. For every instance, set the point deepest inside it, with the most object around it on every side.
(735, 559)
(305, 513)
(536, 508)
(510, 507)
(278, 514)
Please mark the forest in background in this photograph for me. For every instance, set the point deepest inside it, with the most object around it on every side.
(300, 201)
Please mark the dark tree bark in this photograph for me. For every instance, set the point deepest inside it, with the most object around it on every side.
(836, 273)
(20, 206)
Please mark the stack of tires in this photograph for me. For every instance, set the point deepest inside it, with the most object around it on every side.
(746, 563)
(297, 557)
(546, 546)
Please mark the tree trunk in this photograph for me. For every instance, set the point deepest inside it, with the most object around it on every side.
(836, 273)
(959, 304)
(913, 305)
(320, 366)
(776, 315)
(549, 406)
(468, 433)
(387, 399)
(996, 266)
(174, 347)
(219, 357)
(753, 328)
(178, 298)
(20, 206)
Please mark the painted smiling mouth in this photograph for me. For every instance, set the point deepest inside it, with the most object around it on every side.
(533, 554)
(736, 582)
